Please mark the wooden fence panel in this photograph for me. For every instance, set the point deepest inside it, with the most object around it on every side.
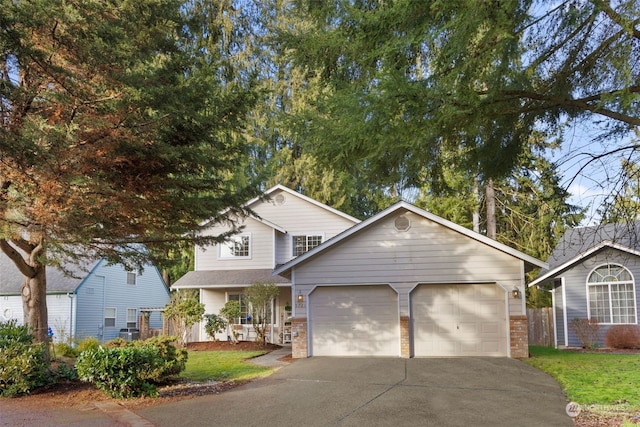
(540, 325)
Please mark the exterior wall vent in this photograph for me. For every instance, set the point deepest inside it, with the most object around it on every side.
(402, 223)
(279, 199)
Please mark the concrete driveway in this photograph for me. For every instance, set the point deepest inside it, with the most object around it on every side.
(381, 392)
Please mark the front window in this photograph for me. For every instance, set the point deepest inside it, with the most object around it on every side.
(109, 317)
(244, 309)
(611, 295)
(237, 247)
(305, 243)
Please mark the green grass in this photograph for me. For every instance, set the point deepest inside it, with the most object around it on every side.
(223, 366)
(592, 378)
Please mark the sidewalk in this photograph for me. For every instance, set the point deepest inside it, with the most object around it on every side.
(271, 359)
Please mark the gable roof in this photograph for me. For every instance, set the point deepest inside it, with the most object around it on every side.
(57, 281)
(267, 195)
(529, 260)
(294, 193)
(581, 243)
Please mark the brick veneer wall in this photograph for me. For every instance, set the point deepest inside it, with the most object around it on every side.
(299, 338)
(405, 349)
(519, 336)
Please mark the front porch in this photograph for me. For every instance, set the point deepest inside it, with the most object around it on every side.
(279, 326)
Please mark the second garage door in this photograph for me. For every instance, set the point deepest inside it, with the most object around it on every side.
(459, 320)
(354, 321)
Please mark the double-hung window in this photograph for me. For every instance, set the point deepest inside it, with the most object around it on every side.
(244, 309)
(131, 278)
(611, 295)
(109, 317)
(305, 242)
(132, 318)
(238, 246)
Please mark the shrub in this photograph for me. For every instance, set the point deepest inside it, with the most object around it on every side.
(116, 343)
(120, 372)
(22, 363)
(64, 349)
(174, 360)
(587, 331)
(129, 368)
(64, 373)
(215, 324)
(623, 336)
(89, 343)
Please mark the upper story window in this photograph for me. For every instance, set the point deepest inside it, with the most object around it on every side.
(131, 278)
(238, 246)
(611, 295)
(305, 242)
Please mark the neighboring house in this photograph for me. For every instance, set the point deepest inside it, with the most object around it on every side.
(403, 283)
(592, 275)
(97, 301)
(286, 225)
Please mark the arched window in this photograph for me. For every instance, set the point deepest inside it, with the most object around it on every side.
(611, 295)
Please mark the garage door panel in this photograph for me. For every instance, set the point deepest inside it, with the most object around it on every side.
(354, 321)
(459, 320)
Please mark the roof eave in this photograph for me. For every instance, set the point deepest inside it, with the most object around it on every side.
(579, 258)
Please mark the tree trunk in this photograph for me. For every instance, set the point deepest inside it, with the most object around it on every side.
(34, 287)
(34, 303)
(490, 201)
(476, 211)
(166, 277)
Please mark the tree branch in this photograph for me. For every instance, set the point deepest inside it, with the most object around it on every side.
(582, 104)
(624, 23)
(23, 245)
(596, 157)
(17, 259)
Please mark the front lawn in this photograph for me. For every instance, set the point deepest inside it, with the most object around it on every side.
(592, 378)
(223, 366)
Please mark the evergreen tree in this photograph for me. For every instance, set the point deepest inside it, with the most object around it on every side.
(403, 83)
(532, 209)
(120, 128)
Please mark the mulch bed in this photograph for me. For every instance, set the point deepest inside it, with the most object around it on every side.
(228, 346)
(81, 394)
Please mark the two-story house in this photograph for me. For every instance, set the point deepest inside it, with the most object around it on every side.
(96, 299)
(402, 283)
(286, 225)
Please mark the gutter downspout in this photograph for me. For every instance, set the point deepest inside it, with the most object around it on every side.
(72, 325)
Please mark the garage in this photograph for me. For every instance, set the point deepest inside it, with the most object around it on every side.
(459, 320)
(354, 321)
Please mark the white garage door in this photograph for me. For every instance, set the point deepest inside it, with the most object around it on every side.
(459, 320)
(354, 321)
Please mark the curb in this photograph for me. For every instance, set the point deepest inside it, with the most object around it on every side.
(122, 415)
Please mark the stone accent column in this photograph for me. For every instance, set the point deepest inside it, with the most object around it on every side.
(299, 338)
(405, 347)
(519, 336)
